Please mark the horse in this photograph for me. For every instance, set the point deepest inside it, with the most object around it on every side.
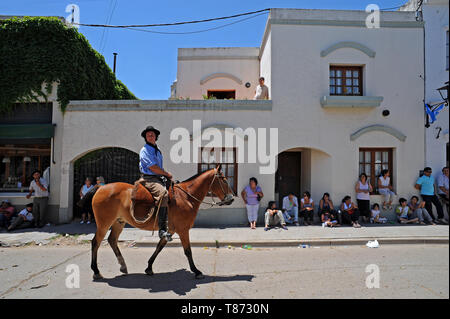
(111, 205)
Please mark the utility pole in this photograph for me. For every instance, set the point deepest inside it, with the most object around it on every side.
(114, 68)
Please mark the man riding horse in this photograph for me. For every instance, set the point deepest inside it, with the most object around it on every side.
(151, 168)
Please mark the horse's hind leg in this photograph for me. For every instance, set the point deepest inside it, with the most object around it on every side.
(113, 237)
(96, 242)
(161, 244)
(184, 236)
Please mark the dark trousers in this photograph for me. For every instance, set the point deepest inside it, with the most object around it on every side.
(19, 223)
(39, 209)
(433, 199)
(349, 218)
(307, 215)
(444, 199)
(364, 207)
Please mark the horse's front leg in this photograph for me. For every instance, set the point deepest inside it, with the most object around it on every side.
(184, 236)
(161, 244)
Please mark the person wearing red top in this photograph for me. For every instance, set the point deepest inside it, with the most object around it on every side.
(6, 213)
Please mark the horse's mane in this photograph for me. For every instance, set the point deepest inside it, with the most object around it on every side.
(196, 175)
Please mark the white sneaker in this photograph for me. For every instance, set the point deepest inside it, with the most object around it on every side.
(82, 222)
(88, 222)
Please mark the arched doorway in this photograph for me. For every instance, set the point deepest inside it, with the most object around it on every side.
(115, 164)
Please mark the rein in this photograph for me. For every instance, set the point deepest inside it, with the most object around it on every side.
(209, 189)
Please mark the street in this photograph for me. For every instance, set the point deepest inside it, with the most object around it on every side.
(405, 271)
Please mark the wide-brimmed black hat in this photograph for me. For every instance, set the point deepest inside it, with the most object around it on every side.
(150, 128)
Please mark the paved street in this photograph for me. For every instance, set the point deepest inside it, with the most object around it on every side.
(406, 271)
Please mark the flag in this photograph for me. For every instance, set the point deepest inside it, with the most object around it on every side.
(433, 112)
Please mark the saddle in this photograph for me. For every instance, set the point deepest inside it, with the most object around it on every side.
(142, 202)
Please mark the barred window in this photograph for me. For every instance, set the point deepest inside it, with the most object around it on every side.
(346, 80)
(372, 161)
(211, 157)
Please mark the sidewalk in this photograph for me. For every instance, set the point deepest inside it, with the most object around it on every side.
(237, 236)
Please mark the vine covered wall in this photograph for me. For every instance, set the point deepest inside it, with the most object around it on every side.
(37, 50)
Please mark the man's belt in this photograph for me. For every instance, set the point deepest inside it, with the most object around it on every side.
(152, 177)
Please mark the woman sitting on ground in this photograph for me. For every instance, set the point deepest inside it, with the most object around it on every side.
(307, 209)
(350, 212)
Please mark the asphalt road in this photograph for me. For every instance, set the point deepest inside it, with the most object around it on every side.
(405, 271)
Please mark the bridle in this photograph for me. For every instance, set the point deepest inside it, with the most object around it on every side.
(222, 202)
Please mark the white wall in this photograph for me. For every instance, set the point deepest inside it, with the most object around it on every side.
(196, 63)
(435, 15)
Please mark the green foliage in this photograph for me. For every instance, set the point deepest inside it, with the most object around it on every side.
(37, 50)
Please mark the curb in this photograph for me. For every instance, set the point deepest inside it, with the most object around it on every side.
(310, 242)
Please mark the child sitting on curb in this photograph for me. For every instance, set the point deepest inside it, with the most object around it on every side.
(405, 214)
(376, 215)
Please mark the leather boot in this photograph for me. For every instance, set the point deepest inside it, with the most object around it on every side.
(162, 224)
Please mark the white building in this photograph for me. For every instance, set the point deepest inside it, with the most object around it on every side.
(435, 15)
(345, 98)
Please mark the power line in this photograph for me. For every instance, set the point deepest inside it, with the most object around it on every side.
(198, 31)
(108, 22)
(170, 24)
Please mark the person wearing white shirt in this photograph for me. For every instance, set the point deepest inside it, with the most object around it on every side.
(290, 208)
(385, 189)
(24, 219)
(40, 201)
(262, 91)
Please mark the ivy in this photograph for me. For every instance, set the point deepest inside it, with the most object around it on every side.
(37, 50)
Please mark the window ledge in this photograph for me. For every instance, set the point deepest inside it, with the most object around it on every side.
(350, 101)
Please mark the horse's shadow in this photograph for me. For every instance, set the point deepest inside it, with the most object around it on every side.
(180, 281)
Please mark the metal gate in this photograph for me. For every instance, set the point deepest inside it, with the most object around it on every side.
(114, 164)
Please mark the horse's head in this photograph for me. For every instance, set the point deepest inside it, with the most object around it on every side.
(221, 188)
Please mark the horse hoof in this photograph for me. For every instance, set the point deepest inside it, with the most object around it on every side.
(97, 276)
(199, 276)
(124, 270)
(149, 272)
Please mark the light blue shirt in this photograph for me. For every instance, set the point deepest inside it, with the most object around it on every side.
(149, 156)
(287, 205)
(427, 185)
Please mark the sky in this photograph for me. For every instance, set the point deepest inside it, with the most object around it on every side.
(147, 62)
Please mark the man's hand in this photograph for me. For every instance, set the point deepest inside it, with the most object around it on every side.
(28, 196)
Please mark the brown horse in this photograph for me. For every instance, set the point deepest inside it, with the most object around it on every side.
(111, 206)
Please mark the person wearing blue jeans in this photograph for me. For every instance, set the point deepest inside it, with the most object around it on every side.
(425, 184)
(290, 208)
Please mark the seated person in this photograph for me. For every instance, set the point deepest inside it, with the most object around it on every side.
(405, 214)
(329, 219)
(326, 206)
(24, 219)
(273, 217)
(376, 215)
(7, 212)
(290, 209)
(307, 208)
(419, 209)
(350, 212)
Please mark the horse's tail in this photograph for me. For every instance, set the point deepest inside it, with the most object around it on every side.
(86, 202)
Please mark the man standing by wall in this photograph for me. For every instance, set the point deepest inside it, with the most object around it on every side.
(425, 184)
(262, 91)
(40, 202)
